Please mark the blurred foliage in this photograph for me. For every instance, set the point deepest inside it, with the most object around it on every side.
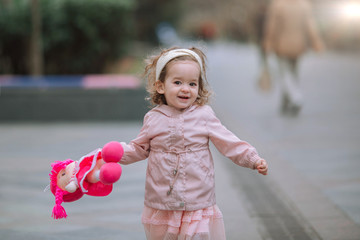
(15, 29)
(81, 36)
(78, 36)
(149, 13)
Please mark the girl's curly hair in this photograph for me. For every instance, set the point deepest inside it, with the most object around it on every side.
(156, 98)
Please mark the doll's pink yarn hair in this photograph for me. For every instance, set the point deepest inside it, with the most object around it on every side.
(61, 195)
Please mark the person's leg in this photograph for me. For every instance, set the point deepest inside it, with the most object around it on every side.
(264, 81)
(285, 102)
(290, 89)
(296, 94)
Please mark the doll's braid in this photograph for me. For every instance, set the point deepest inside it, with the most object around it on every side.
(58, 210)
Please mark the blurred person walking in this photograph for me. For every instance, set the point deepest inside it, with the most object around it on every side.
(290, 30)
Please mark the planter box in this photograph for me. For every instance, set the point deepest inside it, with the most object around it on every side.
(70, 99)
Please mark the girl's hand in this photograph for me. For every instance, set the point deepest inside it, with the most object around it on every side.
(261, 166)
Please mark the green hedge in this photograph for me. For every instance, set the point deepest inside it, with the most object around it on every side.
(79, 36)
(15, 29)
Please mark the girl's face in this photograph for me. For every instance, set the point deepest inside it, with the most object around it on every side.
(181, 86)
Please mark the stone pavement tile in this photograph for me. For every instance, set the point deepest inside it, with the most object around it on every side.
(336, 229)
(25, 210)
(345, 195)
(318, 210)
(301, 195)
(322, 143)
(238, 223)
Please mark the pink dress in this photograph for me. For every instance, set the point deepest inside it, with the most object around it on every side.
(203, 224)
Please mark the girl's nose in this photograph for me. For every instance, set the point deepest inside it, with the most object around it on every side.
(185, 88)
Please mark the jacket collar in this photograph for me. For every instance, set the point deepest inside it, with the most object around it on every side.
(170, 111)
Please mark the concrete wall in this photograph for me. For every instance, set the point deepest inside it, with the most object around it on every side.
(72, 104)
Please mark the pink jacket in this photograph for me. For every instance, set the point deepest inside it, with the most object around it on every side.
(180, 169)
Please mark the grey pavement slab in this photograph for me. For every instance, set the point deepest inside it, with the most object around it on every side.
(27, 150)
(314, 158)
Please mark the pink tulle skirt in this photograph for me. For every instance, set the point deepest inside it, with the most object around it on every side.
(203, 224)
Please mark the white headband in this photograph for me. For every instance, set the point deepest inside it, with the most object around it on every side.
(167, 57)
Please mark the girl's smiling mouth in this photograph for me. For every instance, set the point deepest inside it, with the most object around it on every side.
(184, 97)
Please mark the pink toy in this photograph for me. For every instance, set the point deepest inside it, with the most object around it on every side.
(93, 175)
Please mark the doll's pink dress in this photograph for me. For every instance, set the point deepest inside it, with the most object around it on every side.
(85, 165)
(203, 224)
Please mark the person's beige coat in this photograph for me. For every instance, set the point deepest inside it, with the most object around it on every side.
(290, 29)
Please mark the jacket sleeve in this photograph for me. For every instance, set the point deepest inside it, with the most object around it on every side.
(240, 152)
(139, 148)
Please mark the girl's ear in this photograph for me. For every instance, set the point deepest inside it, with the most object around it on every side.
(160, 88)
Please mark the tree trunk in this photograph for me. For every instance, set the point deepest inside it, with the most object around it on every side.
(36, 54)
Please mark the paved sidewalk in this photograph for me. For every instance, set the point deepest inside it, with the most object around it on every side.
(27, 151)
(311, 192)
(313, 182)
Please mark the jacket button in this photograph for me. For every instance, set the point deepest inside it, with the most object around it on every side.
(182, 204)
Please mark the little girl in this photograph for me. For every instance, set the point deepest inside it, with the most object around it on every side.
(180, 183)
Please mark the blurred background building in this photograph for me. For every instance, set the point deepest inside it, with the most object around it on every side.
(99, 36)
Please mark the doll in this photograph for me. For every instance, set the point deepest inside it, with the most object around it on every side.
(93, 175)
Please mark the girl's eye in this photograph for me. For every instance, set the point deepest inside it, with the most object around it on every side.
(63, 174)
(177, 82)
(193, 84)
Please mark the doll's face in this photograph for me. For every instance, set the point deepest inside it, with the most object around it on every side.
(64, 176)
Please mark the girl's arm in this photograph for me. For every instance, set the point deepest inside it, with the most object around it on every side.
(139, 148)
(240, 152)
